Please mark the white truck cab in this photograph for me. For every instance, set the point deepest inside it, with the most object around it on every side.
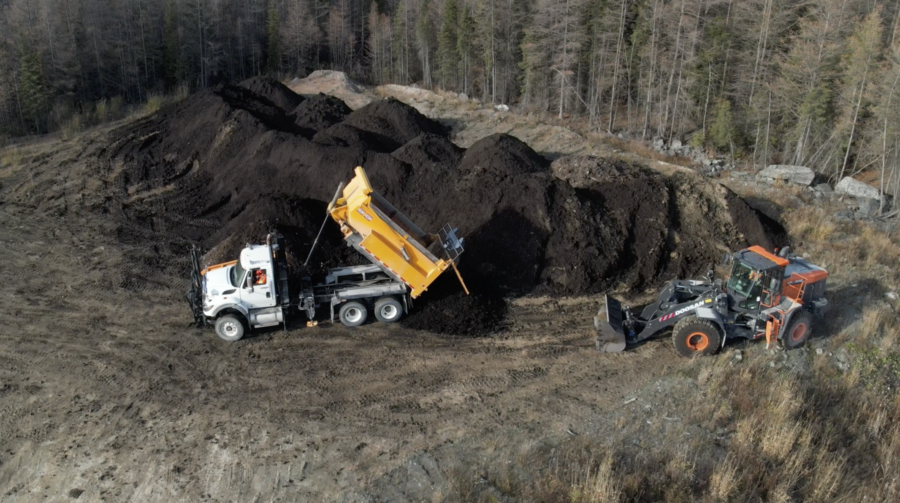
(242, 292)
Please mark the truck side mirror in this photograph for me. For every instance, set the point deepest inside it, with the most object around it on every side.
(249, 282)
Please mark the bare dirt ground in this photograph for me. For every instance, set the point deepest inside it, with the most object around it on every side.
(106, 394)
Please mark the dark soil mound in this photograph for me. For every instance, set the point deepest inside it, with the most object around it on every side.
(395, 122)
(430, 152)
(345, 135)
(227, 165)
(457, 313)
(320, 112)
(499, 156)
(274, 91)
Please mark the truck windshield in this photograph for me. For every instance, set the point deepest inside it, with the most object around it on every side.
(237, 272)
(743, 279)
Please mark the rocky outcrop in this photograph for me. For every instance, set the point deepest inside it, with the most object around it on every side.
(800, 175)
(852, 187)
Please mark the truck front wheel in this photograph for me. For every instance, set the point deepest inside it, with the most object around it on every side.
(693, 336)
(229, 328)
(388, 310)
(353, 314)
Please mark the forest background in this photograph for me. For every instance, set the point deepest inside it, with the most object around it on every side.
(814, 82)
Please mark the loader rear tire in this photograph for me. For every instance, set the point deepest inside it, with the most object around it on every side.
(388, 310)
(798, 331)
(693, 336)
(229, 328)
(353, 314)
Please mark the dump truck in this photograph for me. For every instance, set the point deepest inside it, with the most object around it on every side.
(254, 290)
(766, 295)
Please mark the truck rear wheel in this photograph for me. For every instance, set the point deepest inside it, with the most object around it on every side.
(229, 328)
(353, 314)
(693, 336)
(388, 310)
(798, 331)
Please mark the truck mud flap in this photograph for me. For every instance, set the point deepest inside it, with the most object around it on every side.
(608, 322)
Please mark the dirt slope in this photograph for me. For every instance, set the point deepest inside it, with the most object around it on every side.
(226, 164)
(107, 395)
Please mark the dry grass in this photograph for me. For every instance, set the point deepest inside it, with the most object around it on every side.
(642, 150)
(819, 438)
(11, 157)
(816, 431)
(855, 249)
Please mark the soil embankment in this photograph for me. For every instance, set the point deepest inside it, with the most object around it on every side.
(228, 164)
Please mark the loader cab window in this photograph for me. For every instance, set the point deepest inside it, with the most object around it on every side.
(237, 274)
(751, 284)
(771, 292)
(743, 280)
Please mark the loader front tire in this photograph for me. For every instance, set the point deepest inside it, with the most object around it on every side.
(693, 336)
(353, 314)
(798, 331)
(229, 328)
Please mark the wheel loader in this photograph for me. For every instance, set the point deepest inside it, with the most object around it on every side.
(252, 292)
(766, 295)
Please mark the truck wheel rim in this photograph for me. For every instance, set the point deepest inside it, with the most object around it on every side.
(697, 341)
(799, 332)
(353, 315)
(389, 312)
(230, 329)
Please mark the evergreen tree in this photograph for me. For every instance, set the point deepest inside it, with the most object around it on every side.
(863, 54)
(33, 94)
(273, 39)
(448, 53)
(465, 47)
(172, 65)
(425, 41)
(400, 42)
(722, 132)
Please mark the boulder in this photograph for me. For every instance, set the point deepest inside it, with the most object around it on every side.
(855, 188)
(800, 175)
(868, 206)
(824, 188)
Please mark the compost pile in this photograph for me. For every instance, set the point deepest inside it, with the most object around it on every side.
(228, 164)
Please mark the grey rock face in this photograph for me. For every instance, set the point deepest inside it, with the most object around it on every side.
(801, 175)
(855, 188)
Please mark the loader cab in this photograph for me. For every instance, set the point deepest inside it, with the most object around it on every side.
(756, 279)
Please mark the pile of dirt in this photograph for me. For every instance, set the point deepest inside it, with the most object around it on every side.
(320, 112)
(228, 164)
(274, 91)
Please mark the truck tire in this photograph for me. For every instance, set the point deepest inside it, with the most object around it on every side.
(798, 331)
(229, 328)
(388, 310)
(693, 336)
(353, 314)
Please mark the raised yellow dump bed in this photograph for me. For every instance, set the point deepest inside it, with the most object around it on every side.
(390, 240)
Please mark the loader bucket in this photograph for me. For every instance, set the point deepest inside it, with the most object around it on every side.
(608, 322)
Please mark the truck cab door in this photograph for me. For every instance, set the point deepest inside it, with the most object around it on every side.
(258, 288)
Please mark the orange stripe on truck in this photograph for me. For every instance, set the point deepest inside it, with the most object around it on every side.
(217, 266)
